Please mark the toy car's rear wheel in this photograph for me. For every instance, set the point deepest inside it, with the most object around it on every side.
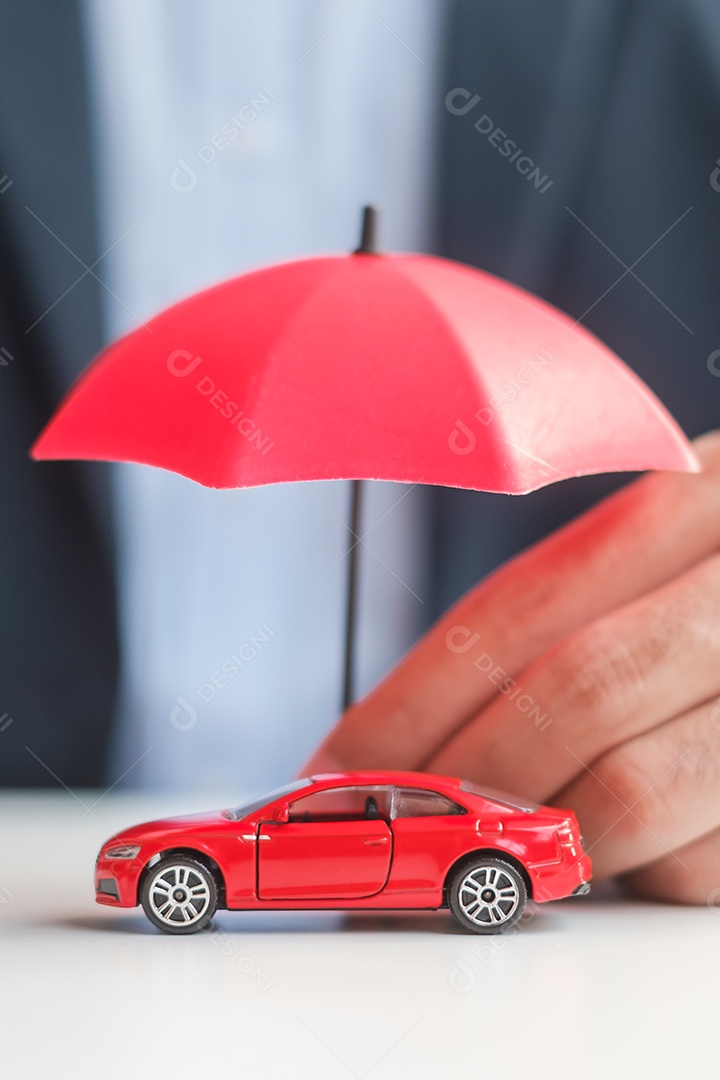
(487, 895)
(179, 895)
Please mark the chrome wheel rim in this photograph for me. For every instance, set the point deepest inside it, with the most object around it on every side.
(488, 896)
(179, 895)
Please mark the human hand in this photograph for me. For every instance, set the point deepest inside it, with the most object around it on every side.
(584, 673)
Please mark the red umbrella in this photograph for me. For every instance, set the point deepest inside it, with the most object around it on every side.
(389, 367)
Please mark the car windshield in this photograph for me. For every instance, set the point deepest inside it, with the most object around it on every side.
(513, 802)
(242, 811)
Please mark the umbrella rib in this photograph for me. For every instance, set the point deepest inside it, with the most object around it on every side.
(283, 331)
(532, 457)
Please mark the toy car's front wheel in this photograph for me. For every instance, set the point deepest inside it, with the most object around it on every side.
(179, 895)
(487, 895)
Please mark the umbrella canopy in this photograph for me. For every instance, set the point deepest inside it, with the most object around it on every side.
(389, 367)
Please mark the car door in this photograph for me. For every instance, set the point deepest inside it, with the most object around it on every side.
(429, 831)
(336, 845)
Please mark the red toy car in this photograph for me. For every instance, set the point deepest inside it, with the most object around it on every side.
(350, 840)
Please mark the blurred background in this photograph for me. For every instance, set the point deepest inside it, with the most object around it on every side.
(154, 633)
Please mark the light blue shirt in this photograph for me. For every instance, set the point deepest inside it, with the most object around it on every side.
(232, 135)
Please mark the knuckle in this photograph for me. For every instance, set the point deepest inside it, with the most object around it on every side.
(626, 777)
(600, 674)
(607, 671)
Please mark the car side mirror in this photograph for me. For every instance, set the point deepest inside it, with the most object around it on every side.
(280, 815)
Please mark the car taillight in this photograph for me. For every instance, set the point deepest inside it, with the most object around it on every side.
(567, 834)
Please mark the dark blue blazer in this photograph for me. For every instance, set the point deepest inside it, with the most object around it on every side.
(578, 149)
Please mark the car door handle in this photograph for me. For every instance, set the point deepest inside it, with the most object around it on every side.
(375, 841)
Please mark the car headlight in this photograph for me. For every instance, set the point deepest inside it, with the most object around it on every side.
(122, 851)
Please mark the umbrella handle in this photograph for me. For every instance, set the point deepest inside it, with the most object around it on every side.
(351, 597)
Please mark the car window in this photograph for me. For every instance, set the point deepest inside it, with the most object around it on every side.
(342, 804)
(410, 802)
(527, 806)
(239, 812)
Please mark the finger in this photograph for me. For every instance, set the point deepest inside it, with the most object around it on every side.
(690, 876)
(650, 796)
(629, 671)
(630, 544)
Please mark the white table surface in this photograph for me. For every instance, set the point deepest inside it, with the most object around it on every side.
(587, 988)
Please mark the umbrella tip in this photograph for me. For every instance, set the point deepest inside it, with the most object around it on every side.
(368, 233)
